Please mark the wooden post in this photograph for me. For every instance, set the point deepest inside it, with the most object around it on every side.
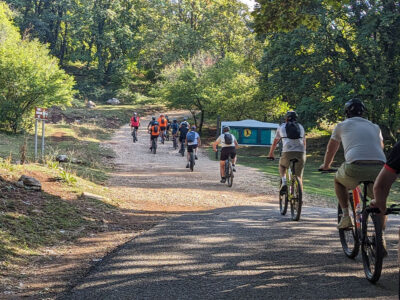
(36, 130)
(218, 130)
(43, 122)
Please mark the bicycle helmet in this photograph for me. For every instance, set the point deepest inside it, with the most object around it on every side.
(184, 118)
(161, 115)
(155, 123)
(193, 127)
(354, 108)
(225, 128)
(291, 115)
(174, 120)
(153, 118)
(135, 114)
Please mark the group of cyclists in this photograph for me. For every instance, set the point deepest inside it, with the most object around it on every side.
(365, 160)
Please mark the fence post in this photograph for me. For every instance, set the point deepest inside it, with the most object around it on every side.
(43, 122)
(36, 130)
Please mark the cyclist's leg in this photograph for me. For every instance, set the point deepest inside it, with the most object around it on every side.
(224, 156)
(299, 167)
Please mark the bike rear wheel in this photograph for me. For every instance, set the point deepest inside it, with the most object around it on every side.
(191, 162)
(296, 200)
(349, 238)
(229, 174)
(372, 245)
(283, 201)
(154, 147)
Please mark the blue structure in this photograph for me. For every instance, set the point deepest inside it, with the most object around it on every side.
(252, 132)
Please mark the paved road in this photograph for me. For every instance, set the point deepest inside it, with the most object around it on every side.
(249, 252)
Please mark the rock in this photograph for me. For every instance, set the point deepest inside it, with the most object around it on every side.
(113, 101)
(19, 184)
(33, 188)
(62, 158)
(93, 196)
(90, 104)
(30, 182)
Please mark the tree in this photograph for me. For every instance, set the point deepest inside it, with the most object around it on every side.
(29, 76)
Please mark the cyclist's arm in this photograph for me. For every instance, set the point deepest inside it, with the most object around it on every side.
(331, 149)
(236, 144)
(273, 146)
(216, 143)
(198, 141)
(382, 187)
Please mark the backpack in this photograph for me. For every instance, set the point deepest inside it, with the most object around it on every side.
(162, 123)
(183, 130)
(228, 139)
(155, 129)
(135, 119)
(191, 136)
(293, 130)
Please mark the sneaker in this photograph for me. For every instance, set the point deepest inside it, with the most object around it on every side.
(283, 189)
(345, 223)
(223, 180)
(233, 168)
(187, 166)
(195, 157)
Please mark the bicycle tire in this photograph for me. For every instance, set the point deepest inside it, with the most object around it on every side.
(191, 162)
(296, 201)
(283, 201)
(229, 177)
(154, 147)
(349, 238)
(372, 246)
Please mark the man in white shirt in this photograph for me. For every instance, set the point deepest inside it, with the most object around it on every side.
(363, 151)
(294, 147)
(228, 149)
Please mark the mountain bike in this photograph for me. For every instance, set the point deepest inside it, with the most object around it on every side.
(293, 193)
(365, 232)
(162, 137)
(167, 135)
(191, 160)
(134, 135)
(174, 142)
(229, 171)
(154, 146)
(182, 150)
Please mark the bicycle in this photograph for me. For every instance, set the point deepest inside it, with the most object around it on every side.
(134, 135)
(366, 232)
(229, 171)
(162, 137)
(293, 193)
(182, 150)
(191, 161)
(153, 146)
(167, 135)
(174, 142)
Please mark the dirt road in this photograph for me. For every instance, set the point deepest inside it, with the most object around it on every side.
(244, 249)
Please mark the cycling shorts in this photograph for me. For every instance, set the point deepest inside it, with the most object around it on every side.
(153, 137)
(227, 152)
(182, 139)
(190, 148)
(136, 127)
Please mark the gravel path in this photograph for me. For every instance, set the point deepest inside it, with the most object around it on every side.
(242, 250)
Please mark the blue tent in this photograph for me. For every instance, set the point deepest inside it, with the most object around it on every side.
(252, 132)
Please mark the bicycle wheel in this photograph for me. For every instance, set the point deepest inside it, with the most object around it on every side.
(191, 162)
(371, 245)
(283, 201)
(154, 147)
(229, 174)
(349, 238)
(296, 200)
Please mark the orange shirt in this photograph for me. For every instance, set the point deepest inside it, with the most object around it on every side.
(162, 122)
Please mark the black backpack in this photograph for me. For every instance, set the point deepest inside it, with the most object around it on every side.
(293, 130)
(228, 138)
(155, 129)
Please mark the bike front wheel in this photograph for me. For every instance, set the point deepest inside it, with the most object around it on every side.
(283, 200)
(372, 245)
(349, 238)
(296, 199)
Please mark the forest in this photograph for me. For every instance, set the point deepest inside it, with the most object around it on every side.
(212, 57)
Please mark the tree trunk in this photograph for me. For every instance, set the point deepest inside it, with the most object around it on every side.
(201, 120)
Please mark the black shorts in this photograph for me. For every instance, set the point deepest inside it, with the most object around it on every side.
(182, 139)
(153, 137)
(162, 128)
(226, 152)
(191, 147)
(136, 127)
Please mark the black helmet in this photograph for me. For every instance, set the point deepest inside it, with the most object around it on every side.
(354, 108)
(174, 120)
(291, 115)
(225, 128)
(153, 118)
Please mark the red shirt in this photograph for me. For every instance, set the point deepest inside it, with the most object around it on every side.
(133, 123)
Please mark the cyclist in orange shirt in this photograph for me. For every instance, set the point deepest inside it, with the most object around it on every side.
(154, 133)
(162, 121)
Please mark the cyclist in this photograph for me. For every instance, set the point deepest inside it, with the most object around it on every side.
(174, 127)
(151, 123)
(183, 130)
(168, 126)
(228, 148)
(184, 122)
(363, 151)
(162, 121)
(154, 133)
(192, 142)
(135, 122)
(292, 135)
(386, 178)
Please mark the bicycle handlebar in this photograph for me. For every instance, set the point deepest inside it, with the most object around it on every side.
(327, 171)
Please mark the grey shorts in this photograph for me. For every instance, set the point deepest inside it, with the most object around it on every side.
(284, 161)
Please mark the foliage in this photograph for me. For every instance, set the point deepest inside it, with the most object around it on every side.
(29, 77)
(67, 177)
